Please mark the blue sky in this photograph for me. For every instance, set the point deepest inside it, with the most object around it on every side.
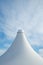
(24, 14)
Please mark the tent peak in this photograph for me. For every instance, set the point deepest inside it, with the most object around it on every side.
(20, 31)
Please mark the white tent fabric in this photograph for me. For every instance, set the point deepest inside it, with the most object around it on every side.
(20, 53)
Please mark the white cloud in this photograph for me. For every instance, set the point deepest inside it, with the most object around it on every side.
(7, 45)
(41, 52)
(19, 17)
(2, 51)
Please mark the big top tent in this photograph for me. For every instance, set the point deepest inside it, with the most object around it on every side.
(20, 53)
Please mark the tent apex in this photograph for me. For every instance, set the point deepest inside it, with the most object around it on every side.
(20, 31)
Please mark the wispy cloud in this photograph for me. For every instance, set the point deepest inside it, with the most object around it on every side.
(2, 51)
(41, 52)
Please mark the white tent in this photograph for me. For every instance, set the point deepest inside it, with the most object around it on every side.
(20, 53)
